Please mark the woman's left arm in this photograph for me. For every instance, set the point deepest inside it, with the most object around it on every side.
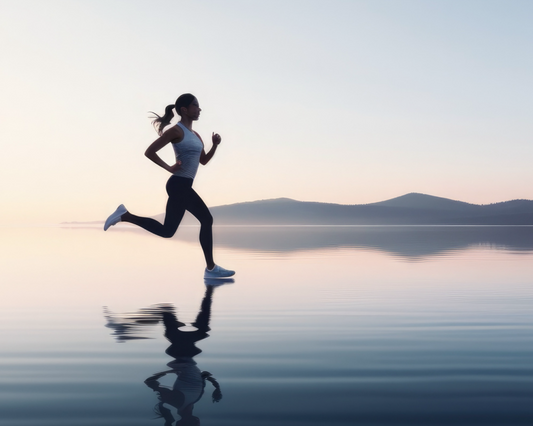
(204, 158)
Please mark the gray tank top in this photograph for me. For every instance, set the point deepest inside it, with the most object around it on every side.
(188, 151)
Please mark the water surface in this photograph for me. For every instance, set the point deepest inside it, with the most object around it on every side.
(323, 325)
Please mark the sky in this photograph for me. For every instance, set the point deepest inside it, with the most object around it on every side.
(340, 101)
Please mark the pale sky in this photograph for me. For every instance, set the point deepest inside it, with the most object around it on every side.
(336, 101)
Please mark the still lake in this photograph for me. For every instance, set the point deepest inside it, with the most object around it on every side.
(321, 326)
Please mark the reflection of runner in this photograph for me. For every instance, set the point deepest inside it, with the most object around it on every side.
(189, 384)
(190, 381)
(187, 390)
(189, 149)
(129, 326)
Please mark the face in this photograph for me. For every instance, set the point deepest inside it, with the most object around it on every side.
(193, 110)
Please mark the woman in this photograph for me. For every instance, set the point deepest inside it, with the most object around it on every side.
(189, 149)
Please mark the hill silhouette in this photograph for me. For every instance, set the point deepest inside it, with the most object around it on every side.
(409, 209)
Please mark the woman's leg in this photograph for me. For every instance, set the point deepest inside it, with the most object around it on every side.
(177, 196)
(200, 211)
(203, 317)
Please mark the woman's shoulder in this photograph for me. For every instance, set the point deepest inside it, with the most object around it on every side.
(174, 134)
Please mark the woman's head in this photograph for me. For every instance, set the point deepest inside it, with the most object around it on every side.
(184, 101)
(186, 104)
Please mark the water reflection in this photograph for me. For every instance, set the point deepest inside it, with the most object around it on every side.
(189, 381)
(402, 241)
(131, 326)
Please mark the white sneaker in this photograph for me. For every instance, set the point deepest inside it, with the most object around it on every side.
(218, 272)
(114, 218)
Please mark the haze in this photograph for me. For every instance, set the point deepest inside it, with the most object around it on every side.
(335, 101)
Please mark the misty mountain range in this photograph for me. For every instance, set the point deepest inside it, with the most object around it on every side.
(405, 241)
(409, 209)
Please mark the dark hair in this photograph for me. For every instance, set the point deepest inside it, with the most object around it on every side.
(161, 122)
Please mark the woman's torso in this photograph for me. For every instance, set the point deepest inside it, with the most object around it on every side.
(188, 151)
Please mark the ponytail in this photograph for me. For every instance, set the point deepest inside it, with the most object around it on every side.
(161, 122)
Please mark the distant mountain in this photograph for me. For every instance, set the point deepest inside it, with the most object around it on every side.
(422, 201)
(409, 209)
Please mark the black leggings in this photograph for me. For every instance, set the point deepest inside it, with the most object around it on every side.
(181, 197)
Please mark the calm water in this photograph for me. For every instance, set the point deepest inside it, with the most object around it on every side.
(322, 326)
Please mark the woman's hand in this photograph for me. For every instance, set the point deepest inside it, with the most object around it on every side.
(217, 395)
(175, 167)
(205, 157)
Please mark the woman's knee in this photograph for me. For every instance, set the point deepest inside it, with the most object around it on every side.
(207, 219)
(169, 232)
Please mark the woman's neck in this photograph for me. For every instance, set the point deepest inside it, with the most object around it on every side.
(187, 122)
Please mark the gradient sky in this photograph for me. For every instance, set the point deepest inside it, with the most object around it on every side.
(336, 101)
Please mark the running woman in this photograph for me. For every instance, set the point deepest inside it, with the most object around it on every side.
(189, 149)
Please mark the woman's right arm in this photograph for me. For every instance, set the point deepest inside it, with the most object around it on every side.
(172, 134)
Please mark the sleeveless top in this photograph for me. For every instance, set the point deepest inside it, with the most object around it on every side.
(188, 152)
(189, 382)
